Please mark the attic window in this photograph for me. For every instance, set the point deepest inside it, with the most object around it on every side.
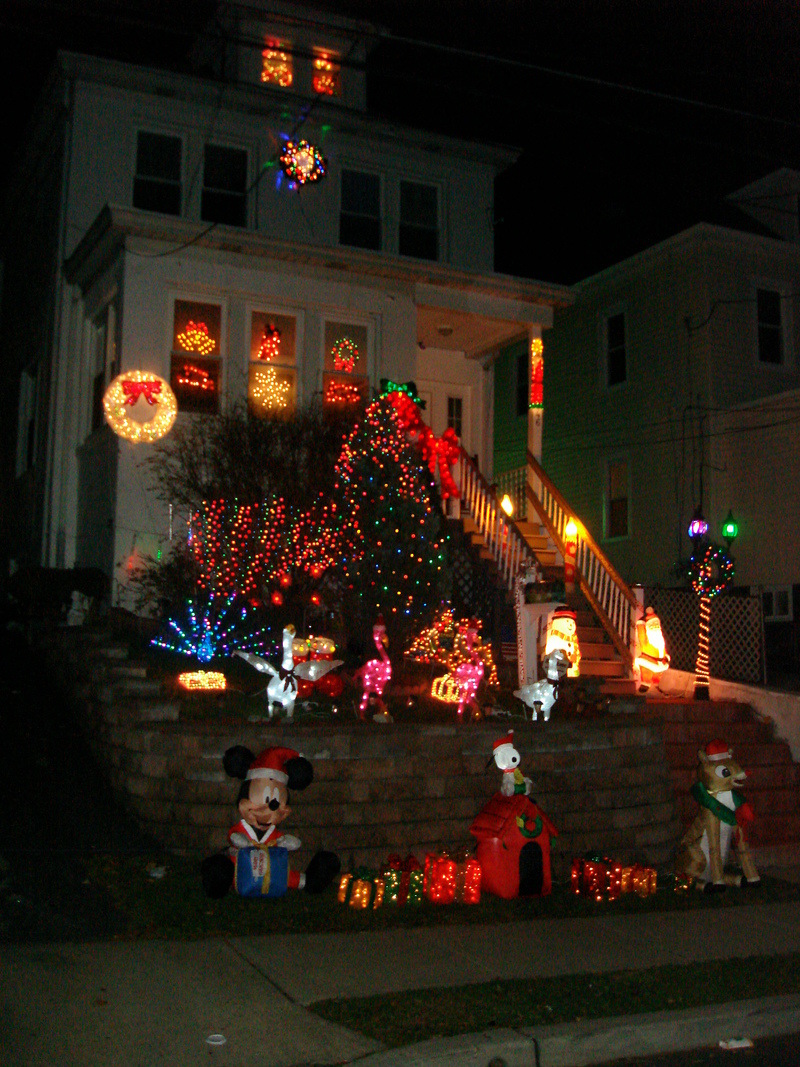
(276, 64)
(327, 76)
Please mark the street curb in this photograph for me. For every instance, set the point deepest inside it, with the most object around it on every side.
(601, 1040)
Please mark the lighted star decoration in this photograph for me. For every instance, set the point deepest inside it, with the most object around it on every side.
(302, 163)
(195, 338)
(268, 391)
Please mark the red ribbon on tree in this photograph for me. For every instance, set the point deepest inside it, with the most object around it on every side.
(443, 450)
(148, 389)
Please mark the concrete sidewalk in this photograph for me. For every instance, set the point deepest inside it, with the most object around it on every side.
(154, 1003)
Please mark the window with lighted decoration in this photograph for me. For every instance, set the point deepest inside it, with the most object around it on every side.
(157, 182)
(419, 220)
(195, 365)
(615, 349)
(276, 63)
(224, 195)
(360, 214)
(272, 381)
(617, 501)
(345, 382)
(326, 76)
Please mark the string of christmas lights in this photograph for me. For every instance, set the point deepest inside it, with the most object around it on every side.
(214, 626)
(444, 642)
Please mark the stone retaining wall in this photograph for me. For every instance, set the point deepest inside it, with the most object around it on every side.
(377, 789)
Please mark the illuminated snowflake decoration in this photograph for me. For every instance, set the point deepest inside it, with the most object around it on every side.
(302, 163)
(269, 392)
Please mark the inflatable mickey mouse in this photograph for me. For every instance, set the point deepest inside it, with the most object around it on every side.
(257, 862)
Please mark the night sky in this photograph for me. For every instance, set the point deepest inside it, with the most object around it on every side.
(633, 118)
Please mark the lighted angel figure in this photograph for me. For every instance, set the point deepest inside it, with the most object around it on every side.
(374, 676)
(282, 686)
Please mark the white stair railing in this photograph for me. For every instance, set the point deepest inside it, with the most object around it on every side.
(509, 549)
(608, 594)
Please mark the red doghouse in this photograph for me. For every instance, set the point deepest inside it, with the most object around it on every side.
(514, 847)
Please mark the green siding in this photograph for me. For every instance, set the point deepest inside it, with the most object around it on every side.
(510, 429)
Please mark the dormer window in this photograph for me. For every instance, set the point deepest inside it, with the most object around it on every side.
(327, 74)
(276, 64)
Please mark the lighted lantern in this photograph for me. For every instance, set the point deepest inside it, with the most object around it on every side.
(513, 847)
(145, 393)
(651, 655)
(562, 632)
(730, 529)
(698, 527)
(302, 163)
(202, 680)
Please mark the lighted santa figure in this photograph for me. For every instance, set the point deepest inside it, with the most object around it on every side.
(651, 655)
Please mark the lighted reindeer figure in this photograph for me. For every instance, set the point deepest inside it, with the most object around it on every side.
(282, 686)
(720, 824)
(375, 674)
(469, 674)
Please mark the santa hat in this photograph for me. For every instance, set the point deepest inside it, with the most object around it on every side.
(270, 764)
(503, 741)
(716, 750)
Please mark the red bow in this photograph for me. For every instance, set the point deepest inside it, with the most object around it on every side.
(148, 389)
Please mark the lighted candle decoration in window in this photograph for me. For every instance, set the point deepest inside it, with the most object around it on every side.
(327, 77)
(537, 374)
(270, 346)
(342, 393)
(345, 355)
(194, 377)
(276, 65)
(195, 338)
(268, 391)
(302, 163)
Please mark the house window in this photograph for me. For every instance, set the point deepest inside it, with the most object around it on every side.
(360, 218)
(272, 380)
(195, 365)
(326, 78)
(522, 390)
(419, 220)
(224, 197)
(157, 182)
(455, 414)
(617, 499)
(102, 361)
(345, 381)
(616, 356)
(770, 326)
(26, 424)
(777, 603)
(276, 64)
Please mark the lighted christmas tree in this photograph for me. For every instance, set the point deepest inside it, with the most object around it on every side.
(394, 563)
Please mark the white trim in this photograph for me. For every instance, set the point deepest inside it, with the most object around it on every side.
(267, 772)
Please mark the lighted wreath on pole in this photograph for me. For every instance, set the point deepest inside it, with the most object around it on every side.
(710, 572)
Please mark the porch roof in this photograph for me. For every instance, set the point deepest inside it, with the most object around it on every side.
(458, 310)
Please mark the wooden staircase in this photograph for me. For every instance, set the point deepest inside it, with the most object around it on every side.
(514, 547)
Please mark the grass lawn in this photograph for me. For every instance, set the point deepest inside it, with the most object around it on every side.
(116, 896)
(405, 1018)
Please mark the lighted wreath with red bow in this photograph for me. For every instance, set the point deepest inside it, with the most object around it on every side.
(436, 451)
(149, 389)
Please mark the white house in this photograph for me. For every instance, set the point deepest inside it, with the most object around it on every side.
(153, 227)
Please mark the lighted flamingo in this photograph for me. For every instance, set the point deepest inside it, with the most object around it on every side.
(469, 674)
(375, 674)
